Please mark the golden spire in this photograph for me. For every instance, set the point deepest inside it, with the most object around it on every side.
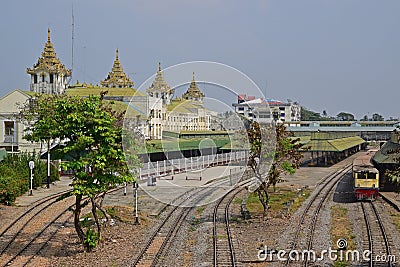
(193, 92)
(117, 77)
(49, 61)
(159, 88)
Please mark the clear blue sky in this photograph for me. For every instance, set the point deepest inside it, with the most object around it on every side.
(333, 55)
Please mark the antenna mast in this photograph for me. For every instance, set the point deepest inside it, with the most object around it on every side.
(72, 52)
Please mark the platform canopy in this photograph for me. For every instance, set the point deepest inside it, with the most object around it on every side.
(390, 151)
(332, 142)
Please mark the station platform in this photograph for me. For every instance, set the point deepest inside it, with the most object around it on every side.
(391, 197)
(152, 199)
(56, 187)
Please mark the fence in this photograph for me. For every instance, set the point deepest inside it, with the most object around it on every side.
(174, 166)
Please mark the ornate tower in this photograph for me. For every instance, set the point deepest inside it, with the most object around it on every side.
(193, 93)
(160, 89)
(117, 77)
(48, 75)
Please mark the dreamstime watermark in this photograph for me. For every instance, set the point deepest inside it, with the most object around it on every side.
(340, 254)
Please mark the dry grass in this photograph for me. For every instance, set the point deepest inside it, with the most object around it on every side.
(395, 218)
(299, 200)
(277, 201)
(341, 228)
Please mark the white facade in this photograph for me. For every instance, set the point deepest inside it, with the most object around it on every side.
(48, 75)
(48, 83)
(188, 117)
(148, 112)
(265, 111)
(11, 130)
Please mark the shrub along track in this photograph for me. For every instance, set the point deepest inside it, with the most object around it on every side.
(309, 217)
(28, 234)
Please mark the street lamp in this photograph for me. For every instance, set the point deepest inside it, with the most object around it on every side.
(31, 166)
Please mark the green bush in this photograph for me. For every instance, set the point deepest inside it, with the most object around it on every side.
(91, 239)
(15, 176)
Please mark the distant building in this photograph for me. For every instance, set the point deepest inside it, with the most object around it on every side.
(265, 110)
(11, 129)
(48, 75)
(160, 88)
(117, 77)
(193, 93)
(188, 113)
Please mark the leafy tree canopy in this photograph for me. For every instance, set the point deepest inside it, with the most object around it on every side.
(272, 153)
(345, 116)
(377, 117)
(308, 115)
(91, 135)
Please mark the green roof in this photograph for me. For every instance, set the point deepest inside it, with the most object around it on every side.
(121, 106)
(303, 139)
(183, 106)
(334, 145)
(167, 145)
(388, 154)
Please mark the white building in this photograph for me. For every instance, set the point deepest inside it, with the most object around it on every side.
(179, 114)
(48, 75)
(11, 129)
(265, 111)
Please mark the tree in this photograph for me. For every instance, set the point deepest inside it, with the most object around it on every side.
(269, 157)
(344, 116)
(365, 118)
(308, 115)
(377, 117)
(92, 139)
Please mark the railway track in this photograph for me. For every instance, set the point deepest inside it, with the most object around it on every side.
(309, 217)
(224, 253)
(26, 237)
(15, 235)
(155, 249)
(378, 243)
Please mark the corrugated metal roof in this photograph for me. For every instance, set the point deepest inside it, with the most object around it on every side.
(334, 145)
(388, 154)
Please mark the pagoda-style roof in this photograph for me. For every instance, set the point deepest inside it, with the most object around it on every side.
(193, 92)
(117, 77)
(49, 61)
(159, 84)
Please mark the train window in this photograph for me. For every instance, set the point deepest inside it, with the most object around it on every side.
(371, 175)
(362, 175)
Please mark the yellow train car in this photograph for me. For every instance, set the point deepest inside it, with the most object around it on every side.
(366, 177)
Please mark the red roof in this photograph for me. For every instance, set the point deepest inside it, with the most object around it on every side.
(241, 97)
